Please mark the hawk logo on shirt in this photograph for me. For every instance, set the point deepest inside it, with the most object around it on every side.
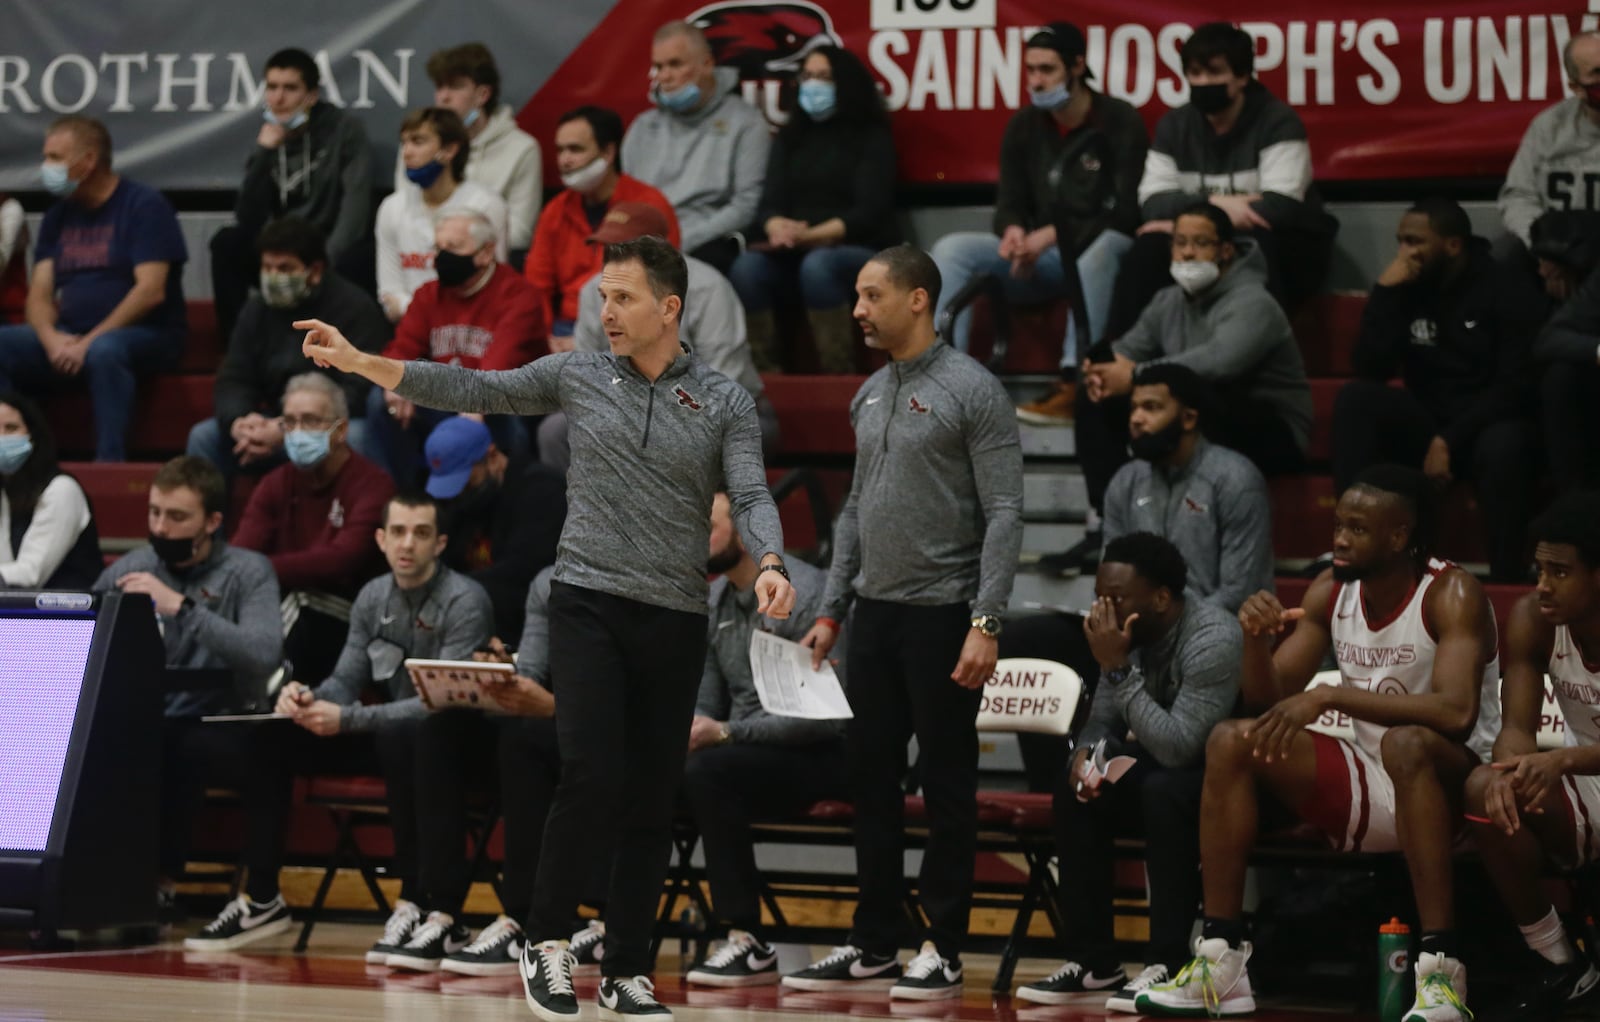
(1194, 507)
(917, 406)
(687, 399)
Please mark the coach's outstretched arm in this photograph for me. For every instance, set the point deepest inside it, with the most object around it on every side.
(528, 390)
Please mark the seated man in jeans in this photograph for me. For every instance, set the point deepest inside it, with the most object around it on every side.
(747, 764)
(420, 609)
(1069, 178)
(1168, 674)
(106, 299)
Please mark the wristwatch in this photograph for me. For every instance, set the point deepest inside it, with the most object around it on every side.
(1117, 675)
(776, 566)
(988, 624)
(724, 735)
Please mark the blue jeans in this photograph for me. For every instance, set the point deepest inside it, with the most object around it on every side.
(399, 451)
(109, 369)
(207, 441)
(964, 255)
(825, 277)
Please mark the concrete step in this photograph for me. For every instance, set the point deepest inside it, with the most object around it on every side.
(1053, 492)
(1048, 441)
(1039, 538)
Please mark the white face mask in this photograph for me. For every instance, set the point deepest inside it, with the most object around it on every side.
(586, 177)
(1195, 277)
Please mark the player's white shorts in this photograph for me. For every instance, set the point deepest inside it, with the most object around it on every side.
(1583, 815)
(1354, 800)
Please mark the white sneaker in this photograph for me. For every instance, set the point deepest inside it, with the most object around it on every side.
(1214, 983)
(396, 932)
(928, 977)
(1126, 999)
(742, 961)
(1441, 990)
(588, 946)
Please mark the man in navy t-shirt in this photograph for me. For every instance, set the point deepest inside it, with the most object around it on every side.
(106, 299)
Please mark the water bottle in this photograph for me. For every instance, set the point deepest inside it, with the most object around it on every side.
(1395, 987)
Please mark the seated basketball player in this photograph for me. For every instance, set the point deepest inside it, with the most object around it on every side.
(1532, 806)
(1415, 643)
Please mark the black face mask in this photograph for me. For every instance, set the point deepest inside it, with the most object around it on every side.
(1210, 99)
(1160, 445)
(453, 268)
(172, 552)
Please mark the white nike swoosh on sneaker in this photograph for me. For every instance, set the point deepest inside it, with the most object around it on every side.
(1091, 983)
(247, 922)
(859, 971)
(608, 999)
(756, 963)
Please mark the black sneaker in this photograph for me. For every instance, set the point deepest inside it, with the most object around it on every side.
(622, 998)
(847, 968)
(241, 922)
(438, 936)
(1124, 999)
(929, 977)
(1554, 989)
(588, 946)
(742, 961)
(496, 952)
(1082, 559)
(405, 918)
(1070, 982)
(546, 971)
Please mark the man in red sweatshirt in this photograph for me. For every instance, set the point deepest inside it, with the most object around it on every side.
(480, 314)
(314, 518)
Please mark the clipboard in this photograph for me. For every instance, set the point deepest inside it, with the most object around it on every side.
(456, 684)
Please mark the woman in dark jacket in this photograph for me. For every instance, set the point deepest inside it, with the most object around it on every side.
(827, 207)
(47, 535)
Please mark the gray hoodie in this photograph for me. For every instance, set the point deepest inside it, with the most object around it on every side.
(934, 514)
(1234, 334)
(710, 163)
(647, 459)
(1553, 169)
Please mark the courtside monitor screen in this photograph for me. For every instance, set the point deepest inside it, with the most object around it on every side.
(44, 650)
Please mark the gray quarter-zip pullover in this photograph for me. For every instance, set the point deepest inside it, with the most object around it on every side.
(647, 458)
(934, 514)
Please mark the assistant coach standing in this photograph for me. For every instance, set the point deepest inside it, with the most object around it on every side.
(654, 433)
(933, 526)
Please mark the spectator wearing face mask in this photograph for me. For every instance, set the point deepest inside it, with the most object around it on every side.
(703, 146)
(562, 259)
(826, 207)
(479, 313)
(1220, 321)
(434, 146)
(48, 538)
(311, 160)
(502, 156)
(296, 282)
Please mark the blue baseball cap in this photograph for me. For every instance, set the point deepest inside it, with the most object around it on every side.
(454, 446)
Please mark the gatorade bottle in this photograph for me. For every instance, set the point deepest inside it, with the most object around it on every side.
(1395, 986)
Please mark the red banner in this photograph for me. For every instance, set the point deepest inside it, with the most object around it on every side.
(1386, 91)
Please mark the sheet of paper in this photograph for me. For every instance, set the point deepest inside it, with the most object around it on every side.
(228, 718)
(788, 686)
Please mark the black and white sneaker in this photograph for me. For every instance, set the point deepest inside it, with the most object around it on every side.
(929, 977)
(438, 936)
(847, 968)
(1069, 983)
(588, 946)
(1555, 988)
(241, 922)
(496, 952)
(1124, 999)
(546, 971)
(622, 998)
(742, 961)
(405, 918)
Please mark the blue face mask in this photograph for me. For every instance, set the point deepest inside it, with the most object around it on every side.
(56, 180)
(471, 118)
(307, 447)
(818, 99)
(14, 451)
(296, 121)
(425, 175)
(680, 102)
(1051, 99)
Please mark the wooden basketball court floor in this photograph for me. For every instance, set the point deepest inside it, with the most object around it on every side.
(332, 981)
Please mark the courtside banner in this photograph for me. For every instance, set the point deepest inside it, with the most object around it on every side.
(1387, 90)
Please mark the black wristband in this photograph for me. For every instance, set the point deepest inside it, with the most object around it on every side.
(776, 566)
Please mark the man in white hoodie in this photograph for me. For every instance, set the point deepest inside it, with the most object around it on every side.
(502, 157)
(703, 147)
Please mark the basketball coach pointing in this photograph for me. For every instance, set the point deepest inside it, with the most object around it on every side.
(654, 433)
